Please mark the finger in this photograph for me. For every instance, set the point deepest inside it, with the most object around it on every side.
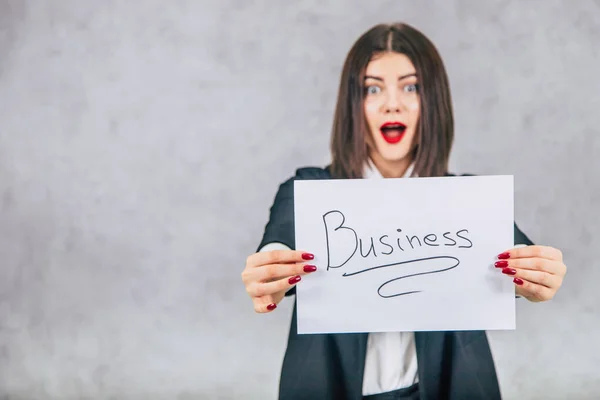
(268, 303)
(277, 257)
(538, 277)
(269, 273)
(546, 252)
(534, 264)
(260, 289)
(265, 304)
(533, 291)
(273, 272)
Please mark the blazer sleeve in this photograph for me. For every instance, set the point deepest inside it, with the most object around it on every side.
(280, 226)
(520, 237)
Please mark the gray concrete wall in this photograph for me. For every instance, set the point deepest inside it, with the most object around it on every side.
(141, 144)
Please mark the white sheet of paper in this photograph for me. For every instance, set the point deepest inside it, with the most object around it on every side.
(407, 254)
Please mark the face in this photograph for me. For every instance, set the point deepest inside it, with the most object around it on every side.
(391, 106)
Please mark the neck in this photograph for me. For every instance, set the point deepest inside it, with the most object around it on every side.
(390, 169)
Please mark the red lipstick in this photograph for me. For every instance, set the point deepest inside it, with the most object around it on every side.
(392, 132)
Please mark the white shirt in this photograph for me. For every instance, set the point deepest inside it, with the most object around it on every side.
(391, 358)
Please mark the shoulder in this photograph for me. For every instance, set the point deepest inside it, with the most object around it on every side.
(280, 227)
(286, 188)
(308, 173)
(311, 172)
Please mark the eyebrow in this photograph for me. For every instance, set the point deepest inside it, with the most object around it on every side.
(380, 79)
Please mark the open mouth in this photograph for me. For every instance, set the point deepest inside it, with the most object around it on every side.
(392, 132)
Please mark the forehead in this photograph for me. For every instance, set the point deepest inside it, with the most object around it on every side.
(390, 64)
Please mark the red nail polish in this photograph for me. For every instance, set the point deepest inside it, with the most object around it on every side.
(294, 279)
(509, 271)
(518, 281)
(501, 264)
(310, 268)
(271, 306)
(307, 256)
(504, 256)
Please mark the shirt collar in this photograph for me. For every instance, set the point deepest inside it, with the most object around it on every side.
(371, 171)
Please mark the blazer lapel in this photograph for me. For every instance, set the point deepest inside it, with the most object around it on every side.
(432, 349)
(352, 349)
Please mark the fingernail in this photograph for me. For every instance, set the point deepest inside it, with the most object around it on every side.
(509, 271)
(310, 268)
(271, 306)
(504, 256)
(307, 256)
(518, 281)
(501, 264)
(294, 279)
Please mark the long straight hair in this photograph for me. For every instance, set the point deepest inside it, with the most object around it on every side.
(435, 129)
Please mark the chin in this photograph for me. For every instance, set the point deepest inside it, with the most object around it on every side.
(392, 153)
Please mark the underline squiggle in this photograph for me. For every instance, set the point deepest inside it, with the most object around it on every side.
(348, 274)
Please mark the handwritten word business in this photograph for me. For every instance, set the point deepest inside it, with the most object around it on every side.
(337, 231)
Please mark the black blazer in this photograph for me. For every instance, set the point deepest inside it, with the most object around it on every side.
(451, 365)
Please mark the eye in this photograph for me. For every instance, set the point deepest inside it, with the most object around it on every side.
(372, 89)
(413, 87)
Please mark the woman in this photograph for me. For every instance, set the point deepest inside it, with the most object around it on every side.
(393, 119)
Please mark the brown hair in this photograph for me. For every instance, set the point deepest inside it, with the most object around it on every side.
(435, 130)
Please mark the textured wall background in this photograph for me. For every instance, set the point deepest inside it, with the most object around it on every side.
(141, 144)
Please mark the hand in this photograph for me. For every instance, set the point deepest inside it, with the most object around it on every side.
(538, 271)
(269, 275)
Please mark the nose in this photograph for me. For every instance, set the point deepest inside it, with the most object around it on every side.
(392, 103)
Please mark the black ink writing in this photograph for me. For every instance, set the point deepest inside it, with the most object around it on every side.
(340, 226)
(398, 240)
(453, 241)
(462, 237)
(410, 241)
(386, 244)
(338, 235)
(336, 231)
(426, 239)
(456, 263)
(371, 249)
